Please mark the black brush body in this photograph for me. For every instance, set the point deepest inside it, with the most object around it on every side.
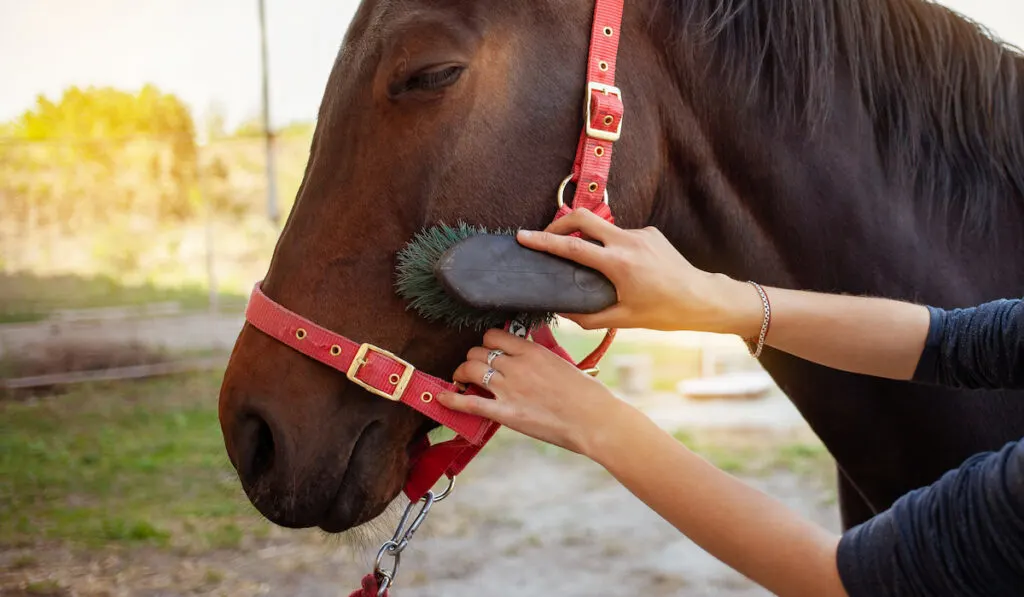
(495, 272)
(468, 277)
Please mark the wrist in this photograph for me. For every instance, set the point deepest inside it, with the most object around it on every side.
(610, 434)
(737, 307)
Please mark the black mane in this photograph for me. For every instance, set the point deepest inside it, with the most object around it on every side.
(947, 99)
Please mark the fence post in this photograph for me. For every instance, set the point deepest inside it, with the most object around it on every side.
(268, 133)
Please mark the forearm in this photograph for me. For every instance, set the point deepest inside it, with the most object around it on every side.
(742, 527)
(871, 336)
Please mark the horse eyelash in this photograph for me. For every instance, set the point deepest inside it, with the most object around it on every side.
(432, 80)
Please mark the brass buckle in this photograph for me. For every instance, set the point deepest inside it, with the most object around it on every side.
(360, 360)
(612, 136)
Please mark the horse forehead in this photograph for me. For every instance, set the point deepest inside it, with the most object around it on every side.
(381, 20)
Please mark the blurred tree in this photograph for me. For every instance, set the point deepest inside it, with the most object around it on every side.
(222, 198)
(215, 122)
(253, 127)
(99, 152)
(113, 182)
(298, 128)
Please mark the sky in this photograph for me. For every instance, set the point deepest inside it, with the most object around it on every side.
(207, 51)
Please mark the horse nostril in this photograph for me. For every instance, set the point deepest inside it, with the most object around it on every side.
(257, 449)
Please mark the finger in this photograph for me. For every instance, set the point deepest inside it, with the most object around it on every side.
(510, 343)
(473, 372)
(572, 248)
(587, 222)
(479, 353)
(487, 408)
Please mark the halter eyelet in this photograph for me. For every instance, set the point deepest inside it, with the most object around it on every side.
(603, 66)
(335, 350)
(300, 334)
(608, 31)
(427, 397)
(608, 120)
(599, 151)
(394, 378)
(593, 187)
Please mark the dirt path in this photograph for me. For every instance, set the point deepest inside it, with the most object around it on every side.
(524, 521)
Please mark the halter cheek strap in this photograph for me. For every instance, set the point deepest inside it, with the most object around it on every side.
(603, 112)
(602, 115)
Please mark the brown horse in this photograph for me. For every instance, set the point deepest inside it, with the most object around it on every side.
(858, 146)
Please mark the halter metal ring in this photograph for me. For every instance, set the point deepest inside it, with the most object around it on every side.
(447, 491)
(561, 192)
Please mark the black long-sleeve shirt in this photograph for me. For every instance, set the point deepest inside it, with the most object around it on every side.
(964, 535)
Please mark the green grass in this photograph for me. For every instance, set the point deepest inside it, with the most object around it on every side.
(23, 562)
(24, 297)
(805, 459)
(44, 588)
(128, 463)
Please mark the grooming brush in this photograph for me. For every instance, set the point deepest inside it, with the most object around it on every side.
(468, 277)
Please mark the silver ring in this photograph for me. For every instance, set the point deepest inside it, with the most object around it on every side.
(488, 376)
(493, 355)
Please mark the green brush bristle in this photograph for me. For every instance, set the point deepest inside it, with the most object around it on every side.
(417, 284)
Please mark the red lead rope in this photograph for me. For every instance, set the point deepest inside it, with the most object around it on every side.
(369, 588)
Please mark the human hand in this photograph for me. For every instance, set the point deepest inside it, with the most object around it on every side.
(537, 393)
(658, 288)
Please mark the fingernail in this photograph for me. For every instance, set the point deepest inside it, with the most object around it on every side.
(525, 233)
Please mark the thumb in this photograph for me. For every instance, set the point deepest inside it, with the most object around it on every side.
(612, 317)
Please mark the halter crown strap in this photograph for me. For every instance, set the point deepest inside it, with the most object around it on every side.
(602, 114)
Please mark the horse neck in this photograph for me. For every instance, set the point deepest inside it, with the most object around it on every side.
(746, 196)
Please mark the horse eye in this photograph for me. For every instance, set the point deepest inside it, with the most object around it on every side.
(431, 79)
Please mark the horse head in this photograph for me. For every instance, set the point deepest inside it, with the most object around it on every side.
(433, 112)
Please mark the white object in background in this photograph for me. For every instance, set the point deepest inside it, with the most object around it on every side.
(745, 385)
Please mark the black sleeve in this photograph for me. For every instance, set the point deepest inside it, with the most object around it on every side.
(979, 347)
(962, 536)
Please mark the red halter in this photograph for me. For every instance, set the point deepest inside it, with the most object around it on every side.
(388, 376)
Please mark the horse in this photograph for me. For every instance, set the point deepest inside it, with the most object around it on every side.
(869, 147)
